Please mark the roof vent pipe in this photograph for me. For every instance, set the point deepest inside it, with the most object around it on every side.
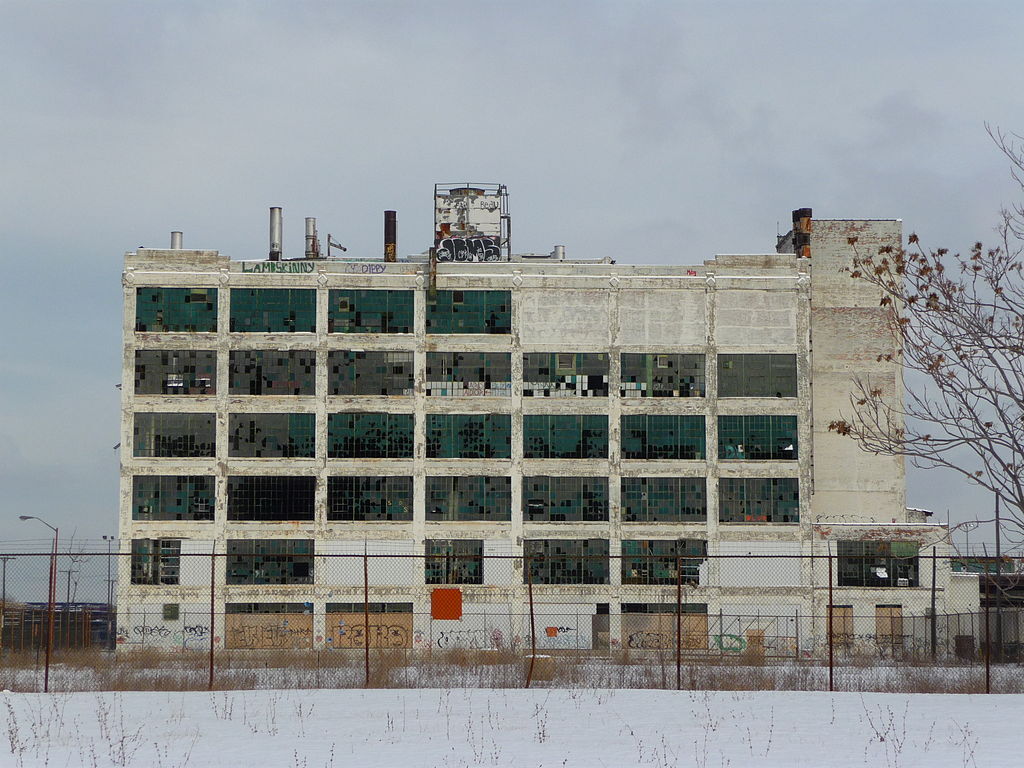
(312, 241)
(175, 241)
(275, 234)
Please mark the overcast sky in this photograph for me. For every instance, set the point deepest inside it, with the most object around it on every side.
(646, 131)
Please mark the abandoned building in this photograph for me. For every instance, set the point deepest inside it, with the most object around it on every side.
(627, 431)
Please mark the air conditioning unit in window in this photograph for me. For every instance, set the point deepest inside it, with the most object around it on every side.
(902, 582)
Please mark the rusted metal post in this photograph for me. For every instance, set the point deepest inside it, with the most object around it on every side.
(988, 643)
(366, 617)
(533, 631)
(679, 623)
(213, 596)
(53, 599)
(935, 618)
(831, 610)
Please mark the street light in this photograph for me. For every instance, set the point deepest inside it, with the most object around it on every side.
(52, 597)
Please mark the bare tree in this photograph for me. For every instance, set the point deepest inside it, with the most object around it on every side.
(958, 323)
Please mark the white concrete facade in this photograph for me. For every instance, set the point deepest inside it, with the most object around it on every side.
(733, 304)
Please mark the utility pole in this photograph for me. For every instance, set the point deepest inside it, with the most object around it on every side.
(999, 570)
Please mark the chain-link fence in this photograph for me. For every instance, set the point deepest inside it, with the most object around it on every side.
(276, 614)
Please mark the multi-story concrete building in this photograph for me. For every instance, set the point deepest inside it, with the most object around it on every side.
(625, 428)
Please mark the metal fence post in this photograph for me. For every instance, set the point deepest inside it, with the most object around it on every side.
(679, 623)
(533, 631)
(213, 596)
(831, 610)
(366, 617)
(935, 618)
(988, 643)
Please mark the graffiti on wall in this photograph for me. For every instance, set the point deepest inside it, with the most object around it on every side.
(348, 630)
(468, 249)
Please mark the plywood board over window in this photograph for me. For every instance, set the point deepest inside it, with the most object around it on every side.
(269, 631)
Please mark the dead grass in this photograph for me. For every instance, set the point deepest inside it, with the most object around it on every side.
(94, 670)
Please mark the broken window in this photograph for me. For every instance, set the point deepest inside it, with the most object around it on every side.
(469, 312)
(175, 372)
(565, 374)
(354, 310)
(369, 498)
(273, 310)
(163, 310)
(649, 436)
(759, 500)
(757, 437)
(662, 375)
(271, 435)
(566, 561)
(172, 497)
(369, 607)
(565, 437)
(271, 499)
(757, 375)
(156, 561)
(464, 498)
(270, 561)
(469, 436)
(467, 374)
(242, 608)
(370, 435)
(663, 562)
(272, 372)
(454, 561)
(178, 435)
(565, 499)
(370, 373)
(664, 499)
(877, 563)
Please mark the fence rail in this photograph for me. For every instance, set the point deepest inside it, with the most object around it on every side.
(267, 614)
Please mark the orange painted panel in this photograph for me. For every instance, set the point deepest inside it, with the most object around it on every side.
(446, 604)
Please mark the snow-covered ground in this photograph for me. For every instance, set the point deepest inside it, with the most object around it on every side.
(551, 728)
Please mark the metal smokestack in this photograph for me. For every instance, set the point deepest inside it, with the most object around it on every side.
(175, 241)
(802, 229)
(275, 234)
(390, 235)
(312, 241)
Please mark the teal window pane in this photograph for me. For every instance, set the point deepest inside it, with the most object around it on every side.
(761, 375)
(565, 436)
(188, 310)
(565, 499)
(461, 498)
(271, 498)
(759, 500)
(757, 437)
(175, 372)
(354, 310)
(650, 436)
(389, 374)
(272, 435)
(270, 561)
(565, 374)
(469, 436)
(172, 497)
(662, 375)
(273, 372)
(655, 562)
(179, 435)
(664, 499)
(370, 435)
(468, 374)
(469, 312)
(273, 310)
(454, 561)
(566, 561)
(369, 498)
